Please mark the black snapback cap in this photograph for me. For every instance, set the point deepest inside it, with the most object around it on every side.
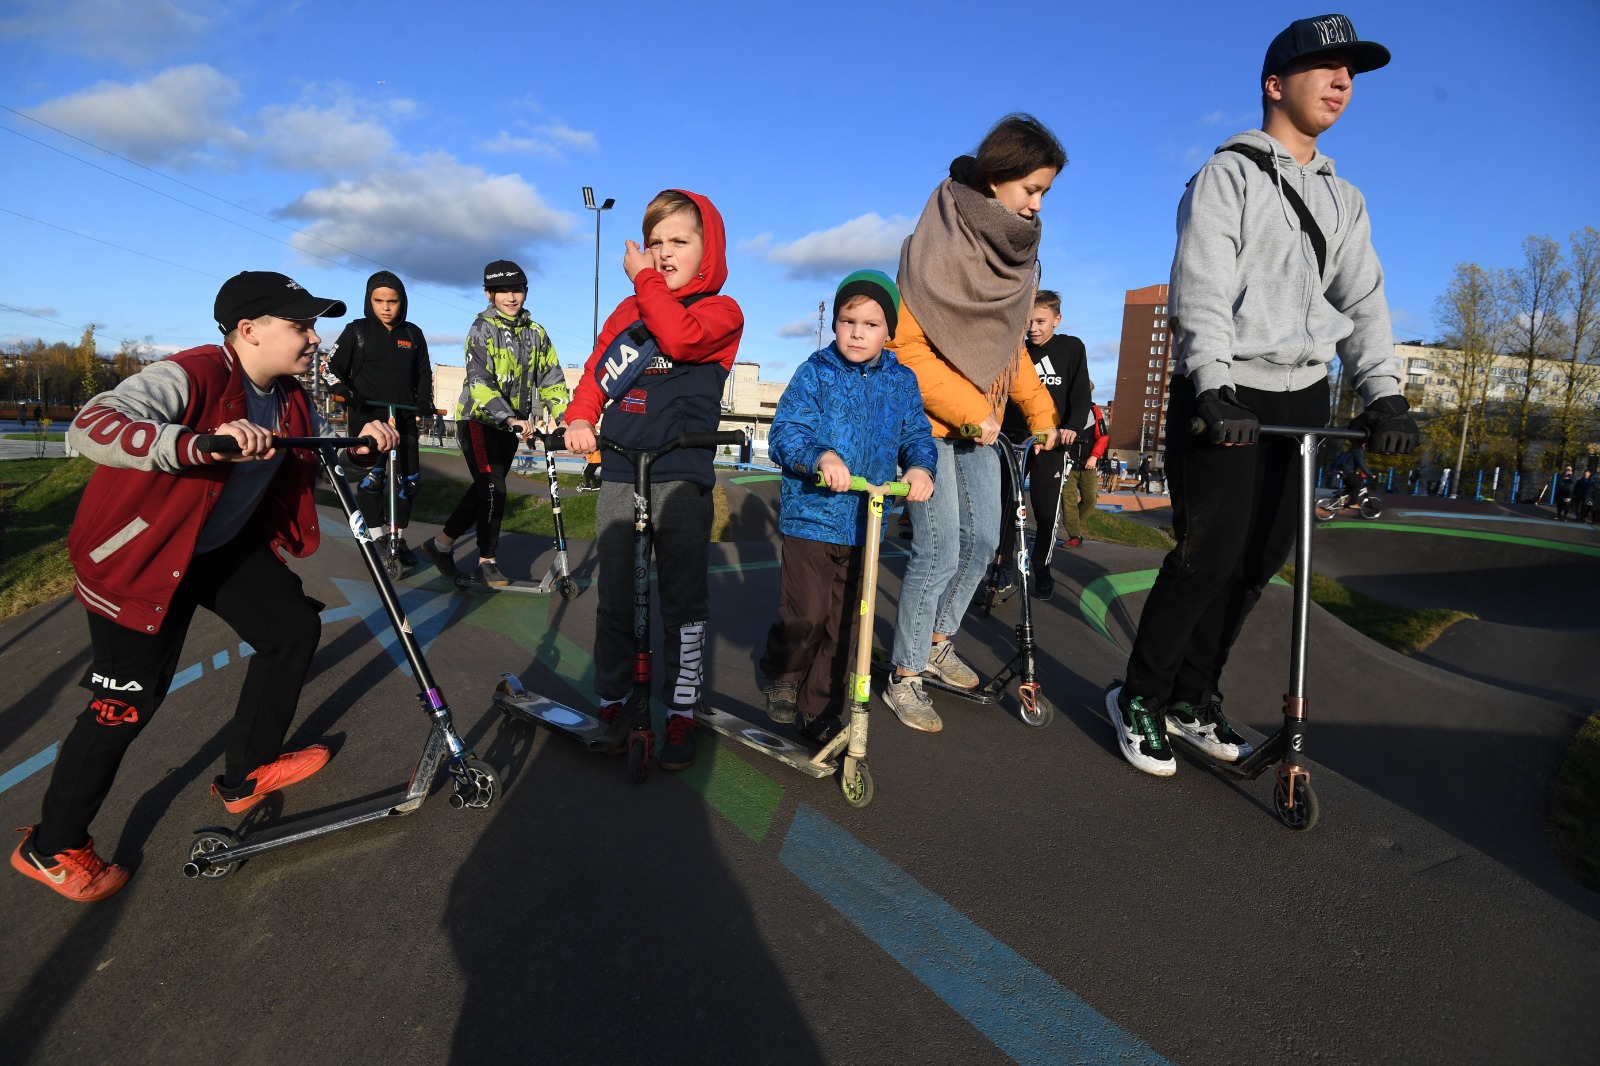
(1325, 33)
(253, 293)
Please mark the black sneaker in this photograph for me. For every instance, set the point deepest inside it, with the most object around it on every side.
(613, 714)
(678, 751)
(1140, 733)
(407, 557)
(781, 699)
(1201, 724)
(820, 727)
(444, 560)
(1044, 584)
(489, 574)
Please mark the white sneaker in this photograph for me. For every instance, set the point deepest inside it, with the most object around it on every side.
(1140, 734)
(946, 665)
(910, 704)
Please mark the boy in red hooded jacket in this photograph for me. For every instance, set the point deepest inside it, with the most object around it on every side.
(676, 277)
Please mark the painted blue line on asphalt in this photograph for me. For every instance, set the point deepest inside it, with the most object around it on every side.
(1023, 1010)
(219, 660)
(18, 774)
(1456, 516)
(427, 612)
(245, 650)
(184, 677)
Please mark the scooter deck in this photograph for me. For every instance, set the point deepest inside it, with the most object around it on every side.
(979, 695)
(751, 735)
(581, 726)
(526, 587)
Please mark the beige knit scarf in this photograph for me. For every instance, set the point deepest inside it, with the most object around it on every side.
(969, 272)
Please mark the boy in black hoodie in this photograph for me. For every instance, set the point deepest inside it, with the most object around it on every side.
(382, 359)
(1062, 363)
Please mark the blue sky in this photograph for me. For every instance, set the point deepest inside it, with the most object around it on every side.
(432, 143)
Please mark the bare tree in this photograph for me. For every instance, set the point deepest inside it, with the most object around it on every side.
(1575, 406)
(1538, 292)
(1473, 311)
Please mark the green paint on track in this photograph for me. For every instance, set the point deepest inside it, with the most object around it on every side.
(1467, 534)
(1098, 596)
(744, 795)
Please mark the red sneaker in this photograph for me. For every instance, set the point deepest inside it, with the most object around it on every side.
(617, 727)
(78, 873)
(285, 770)
(678, 752)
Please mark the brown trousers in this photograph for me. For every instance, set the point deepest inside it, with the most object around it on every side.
(819, 617)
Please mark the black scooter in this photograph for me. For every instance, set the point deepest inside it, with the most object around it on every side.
(218, 851)
(594, 733)
(558, 578)
(1293, 799)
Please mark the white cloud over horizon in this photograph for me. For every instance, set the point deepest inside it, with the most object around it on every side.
(433, 218)
(802, 327)
(175, 117)
(131, 34)
(546, 140)
(327, 139)
(865, 241)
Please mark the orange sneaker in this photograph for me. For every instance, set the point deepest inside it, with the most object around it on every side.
(78, 873)
(285, 770)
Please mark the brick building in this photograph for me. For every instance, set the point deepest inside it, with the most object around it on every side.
(1144, 369)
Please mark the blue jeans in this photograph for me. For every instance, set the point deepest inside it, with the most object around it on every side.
(953, 539)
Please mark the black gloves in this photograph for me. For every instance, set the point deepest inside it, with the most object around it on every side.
(1389, 429)
(1226, 420)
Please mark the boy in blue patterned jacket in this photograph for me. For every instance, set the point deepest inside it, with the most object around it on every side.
(851, 409)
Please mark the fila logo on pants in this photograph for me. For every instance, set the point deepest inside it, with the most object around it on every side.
(114, 712)
(111, 684)
(691, 654)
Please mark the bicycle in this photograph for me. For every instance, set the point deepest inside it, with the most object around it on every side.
(1369, 505)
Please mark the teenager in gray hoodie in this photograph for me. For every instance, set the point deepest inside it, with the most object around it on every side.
(1263, 297)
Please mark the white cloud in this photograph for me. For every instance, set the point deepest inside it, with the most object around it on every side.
(801, 327)
(174, 117)
(132, 34)
(433, 218)
(446, 340)
(866, 241)
(336, 139)
(39, 312)
(547, 140)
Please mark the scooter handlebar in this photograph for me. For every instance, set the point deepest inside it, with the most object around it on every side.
(861, 484)
(554, 440)
(710, 440)
(223, 444)
(1198, 427)
(972, 430)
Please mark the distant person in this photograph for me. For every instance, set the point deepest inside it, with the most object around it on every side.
(968, 274)
(1265, 216)
(1563, 493)
(383, 358)
(1351, 466)
(1078, 490)
(1144, 474)
(164, 529)
(850, 410)
(1583, 500)
(513, 376)
(1062, 364)
(38, 414)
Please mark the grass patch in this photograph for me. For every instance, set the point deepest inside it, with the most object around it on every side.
(1401, 629)
(58, 437)
(1104, 525)
(524, 513)
(719, 512)
(1575, 807)
(38, 499)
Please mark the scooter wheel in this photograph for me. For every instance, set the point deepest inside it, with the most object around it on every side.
(477, 785)
(1306, 810)
(1036, 711)
(210, 843)
(641, 747)
(567, 587)
(1371, 508)
(392, 566)
(858, 790)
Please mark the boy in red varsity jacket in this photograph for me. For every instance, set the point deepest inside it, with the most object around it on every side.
(164, 528)
(676, 278)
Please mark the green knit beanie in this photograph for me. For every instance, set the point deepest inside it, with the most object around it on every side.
(876, 286)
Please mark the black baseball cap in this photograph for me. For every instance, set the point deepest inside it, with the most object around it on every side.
(1325, 33)
(253, 293)
(504, 274)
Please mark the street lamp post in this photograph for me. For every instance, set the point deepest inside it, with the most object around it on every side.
(588, 201)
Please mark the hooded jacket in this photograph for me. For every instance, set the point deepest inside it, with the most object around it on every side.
(681, 391)
(512, 371)
(380, 364)
(1249, 308)
(870, 415)
(142, 512)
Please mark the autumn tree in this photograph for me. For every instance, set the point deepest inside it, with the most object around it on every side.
(1473, 311)
(1579, 379)
(1538, 292)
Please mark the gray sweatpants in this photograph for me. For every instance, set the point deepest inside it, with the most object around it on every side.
(680, 514)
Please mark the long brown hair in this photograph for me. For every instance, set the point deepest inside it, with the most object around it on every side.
(1018, 145)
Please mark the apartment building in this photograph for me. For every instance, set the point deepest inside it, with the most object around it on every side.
(1144, 370)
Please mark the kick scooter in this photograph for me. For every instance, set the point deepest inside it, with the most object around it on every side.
(217, 851)
(559, 577)
(1033, 708)
(631, 729)
(854, 779)
(1293, 799)
(391, 542)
